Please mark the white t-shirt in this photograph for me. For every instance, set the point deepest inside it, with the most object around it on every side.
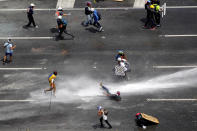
(8, 47)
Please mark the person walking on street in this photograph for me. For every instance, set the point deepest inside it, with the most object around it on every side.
(9, 51)
(88, 13)
(157, 14)
(103, 116)
(60, 12)
(150, 22)
(97, 18)
(52, 85)
(62, 24)
(30, 12)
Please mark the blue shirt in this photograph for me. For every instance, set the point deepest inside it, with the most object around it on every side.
(61, 21)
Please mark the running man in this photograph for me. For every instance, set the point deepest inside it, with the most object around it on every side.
(51, 79)
(110, 95)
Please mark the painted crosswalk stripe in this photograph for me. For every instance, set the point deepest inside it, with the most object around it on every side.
(188, 35)
(27, 38)
(65, 3)
(17, 100)
(159, 100)
(23, 68)
(167, 67)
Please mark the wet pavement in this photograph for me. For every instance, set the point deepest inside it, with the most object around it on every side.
(83, 62)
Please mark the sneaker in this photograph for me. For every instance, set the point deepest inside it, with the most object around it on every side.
(158, 25)
(153, 28)
(100, 29)
(36, 26)
(110, 127)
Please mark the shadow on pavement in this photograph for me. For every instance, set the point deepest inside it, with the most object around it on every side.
(91, 29)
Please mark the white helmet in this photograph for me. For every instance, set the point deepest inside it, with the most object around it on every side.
(59, 9)
(59, 17)
(32, 4)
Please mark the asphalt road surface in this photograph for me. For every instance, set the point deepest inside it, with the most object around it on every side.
(88, 59)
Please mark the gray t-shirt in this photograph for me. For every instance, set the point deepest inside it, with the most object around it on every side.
(8, 47)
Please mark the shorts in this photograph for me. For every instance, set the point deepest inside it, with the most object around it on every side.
(50, 83)
(10, 54)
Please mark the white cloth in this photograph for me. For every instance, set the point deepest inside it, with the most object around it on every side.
(104, 116)
(53, 80)
(120, 70)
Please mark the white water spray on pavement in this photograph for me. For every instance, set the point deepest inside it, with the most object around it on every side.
(86, 89)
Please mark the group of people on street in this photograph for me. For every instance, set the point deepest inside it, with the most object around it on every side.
(153, 16)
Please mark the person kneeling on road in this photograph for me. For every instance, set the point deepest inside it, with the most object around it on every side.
(120, 70)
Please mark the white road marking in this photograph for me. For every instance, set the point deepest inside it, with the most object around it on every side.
(189, 35)
(166, 67)
(170, 100)
(139, 4)
(181, 7)
(65, 3)
(27, 38)
(17, 100)
(23, 68)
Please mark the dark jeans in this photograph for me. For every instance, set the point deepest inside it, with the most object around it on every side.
(106, 89)
(157, 18)
(150, 21)
(97, 24)
(62, 30)
(31, 20)
(101, 121)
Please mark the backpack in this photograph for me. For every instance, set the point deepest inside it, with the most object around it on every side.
(99, 16)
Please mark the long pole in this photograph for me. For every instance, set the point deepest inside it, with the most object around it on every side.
(50, 101)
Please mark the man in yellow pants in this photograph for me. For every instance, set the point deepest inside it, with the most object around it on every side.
(51, 79)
